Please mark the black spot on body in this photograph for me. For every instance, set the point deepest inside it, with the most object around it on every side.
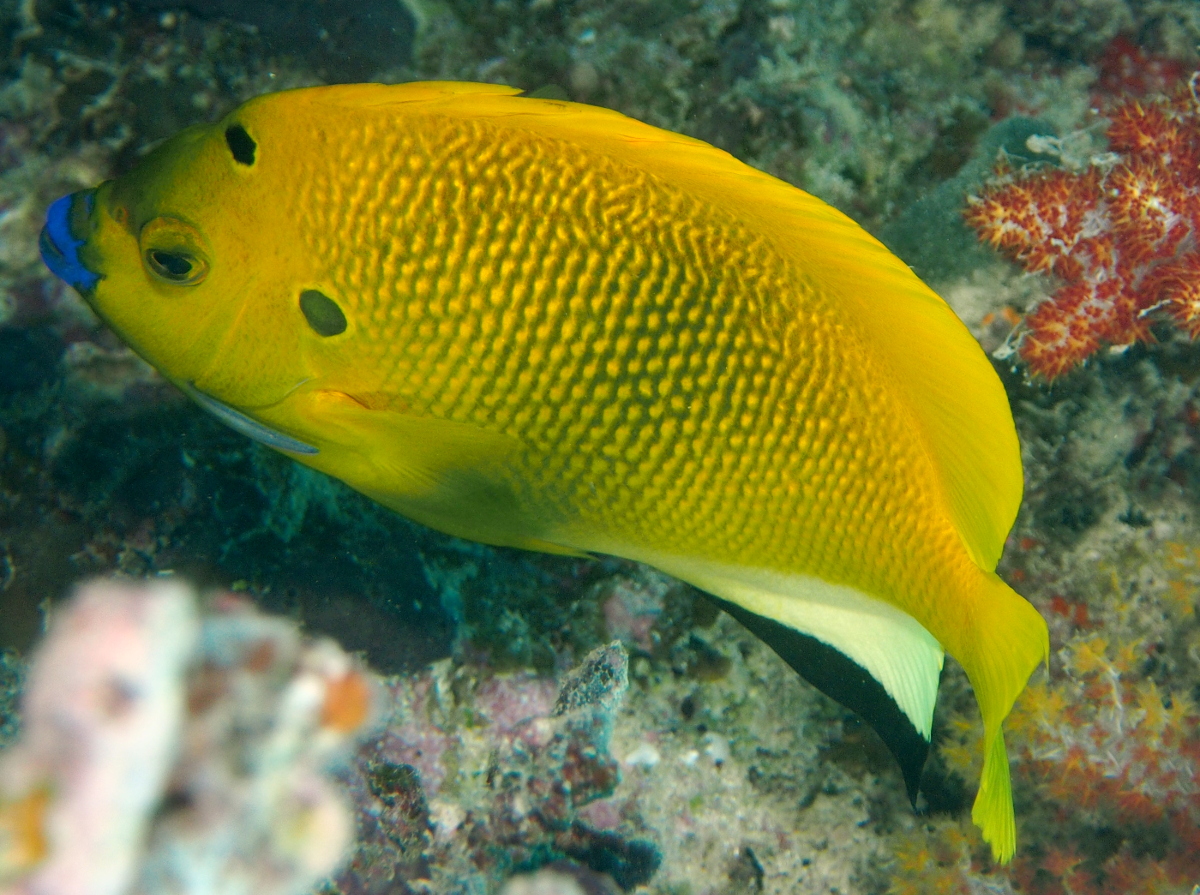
(322, 313)
(240, 144)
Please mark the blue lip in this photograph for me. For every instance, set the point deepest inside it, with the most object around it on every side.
(60, 249)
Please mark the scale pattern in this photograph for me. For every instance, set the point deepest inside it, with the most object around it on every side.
(675, 380)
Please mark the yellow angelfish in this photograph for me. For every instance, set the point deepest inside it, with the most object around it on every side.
(545, 325)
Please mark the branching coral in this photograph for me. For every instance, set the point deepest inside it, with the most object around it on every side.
(1123, 236)
(1111, 750)
(1114, 766)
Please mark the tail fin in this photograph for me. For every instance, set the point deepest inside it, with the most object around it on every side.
(1009, 641)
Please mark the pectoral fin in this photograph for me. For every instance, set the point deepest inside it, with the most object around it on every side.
(456, 477)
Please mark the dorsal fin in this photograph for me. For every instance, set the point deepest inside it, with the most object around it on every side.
(954, 397)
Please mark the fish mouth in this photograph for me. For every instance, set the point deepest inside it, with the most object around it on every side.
(247, 426)
(59, 243)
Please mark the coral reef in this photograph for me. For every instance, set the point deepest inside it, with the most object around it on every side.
(345, 40)
(618, 775)
(101, 718)
(832, 97)
(1106, 747)
(558, 881)
(121, 487)
(12, 673)
(1122, 235)
(167, 751)
(452, 800)
(930, 233)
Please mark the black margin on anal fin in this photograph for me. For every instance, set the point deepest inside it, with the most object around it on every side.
(845, 681)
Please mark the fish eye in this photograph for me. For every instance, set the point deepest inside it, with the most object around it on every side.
(174, 266)
(173, 252)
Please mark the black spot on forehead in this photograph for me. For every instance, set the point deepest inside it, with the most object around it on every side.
(240, 144)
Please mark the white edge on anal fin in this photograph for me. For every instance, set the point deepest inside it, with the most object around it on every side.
(891, 645)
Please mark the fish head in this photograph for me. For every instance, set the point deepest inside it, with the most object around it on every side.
(194, 258)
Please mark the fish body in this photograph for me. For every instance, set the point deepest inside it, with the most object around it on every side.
(545, 325)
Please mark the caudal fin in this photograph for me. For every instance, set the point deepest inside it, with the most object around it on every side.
(1010, 640)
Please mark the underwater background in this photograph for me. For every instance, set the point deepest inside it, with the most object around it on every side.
(558, 726)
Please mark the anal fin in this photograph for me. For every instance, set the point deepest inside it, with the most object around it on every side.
(866, 654)
(845, 681)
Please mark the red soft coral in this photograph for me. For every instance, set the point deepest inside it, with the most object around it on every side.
(1123, 235)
